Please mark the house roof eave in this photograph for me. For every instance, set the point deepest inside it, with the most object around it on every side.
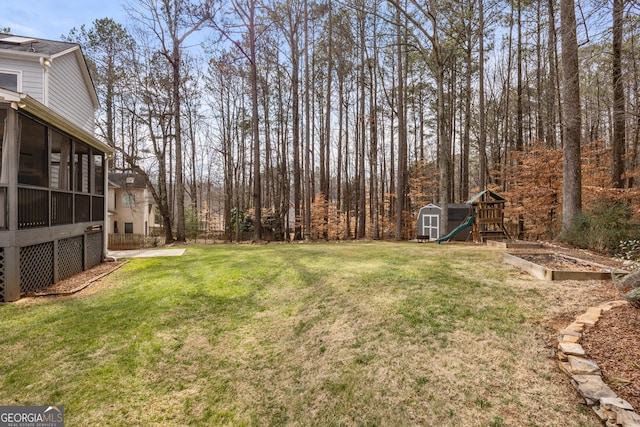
(21, 101)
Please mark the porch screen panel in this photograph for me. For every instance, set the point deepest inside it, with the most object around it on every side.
(3, 116)
(97, 208)
(81, 167)
(33, 208)
(34, 159)
(61, 208)
(83, 208)
(60, 170)
(98, 173)
(3, 190)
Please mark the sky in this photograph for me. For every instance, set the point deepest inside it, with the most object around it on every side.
(51, 19)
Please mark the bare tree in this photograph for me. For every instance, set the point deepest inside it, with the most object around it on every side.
(172, 22)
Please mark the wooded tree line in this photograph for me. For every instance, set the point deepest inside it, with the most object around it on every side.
(339, 120)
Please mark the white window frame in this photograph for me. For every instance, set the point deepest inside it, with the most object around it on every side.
(16, 73)
(128, 199)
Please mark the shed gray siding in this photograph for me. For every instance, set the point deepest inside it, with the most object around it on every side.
(68, 93)
(429, 223)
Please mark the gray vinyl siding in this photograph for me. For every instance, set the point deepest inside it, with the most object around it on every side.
(68, 92)
(31, 73)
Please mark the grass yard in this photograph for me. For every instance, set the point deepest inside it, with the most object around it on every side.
(349, 334)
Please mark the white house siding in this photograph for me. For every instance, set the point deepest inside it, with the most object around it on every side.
(31, 76)
(68, 93)
(111, 200)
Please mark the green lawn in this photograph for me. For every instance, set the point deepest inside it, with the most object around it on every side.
(362, 334)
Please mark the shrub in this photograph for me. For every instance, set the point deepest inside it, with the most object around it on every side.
(629, 250)
(602, 227)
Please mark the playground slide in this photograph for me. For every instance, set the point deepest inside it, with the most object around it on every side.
(458, 229)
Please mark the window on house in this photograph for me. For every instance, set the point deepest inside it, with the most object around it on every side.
(34, 158)
(128, 228)
(128, 200)
(115, 227)
(9, 80)
(81, 167)
(60, 172)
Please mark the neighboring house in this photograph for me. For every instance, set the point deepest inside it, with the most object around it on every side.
(53, 169)
(131, 207)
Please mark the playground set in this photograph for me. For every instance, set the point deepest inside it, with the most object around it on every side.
(484, 220)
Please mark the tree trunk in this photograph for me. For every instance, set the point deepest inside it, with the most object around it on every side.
(572, 179)
(618, 141)
(257, 187)
(180, 224)
(402, 134)
(552, 80)
(362, 216)
(482, 137)
(307, 131)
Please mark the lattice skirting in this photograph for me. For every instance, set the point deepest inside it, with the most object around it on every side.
(36, 267)
(94, 249)
(38, 263)
(70, 254)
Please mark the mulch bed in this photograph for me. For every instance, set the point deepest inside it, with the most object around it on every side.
(79, 281)
(553, 256)
(559, 262)
(614, 344)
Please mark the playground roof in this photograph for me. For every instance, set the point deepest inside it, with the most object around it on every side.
(484, 196)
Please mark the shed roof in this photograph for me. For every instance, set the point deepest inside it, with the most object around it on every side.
(452, 206)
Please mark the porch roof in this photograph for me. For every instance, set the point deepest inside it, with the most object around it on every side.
(24, 102)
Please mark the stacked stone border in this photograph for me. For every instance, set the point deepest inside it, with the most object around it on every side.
(585, 374)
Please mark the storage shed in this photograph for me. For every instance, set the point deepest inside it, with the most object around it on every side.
(429, 223)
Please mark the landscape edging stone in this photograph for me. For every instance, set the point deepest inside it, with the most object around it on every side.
(572, 360)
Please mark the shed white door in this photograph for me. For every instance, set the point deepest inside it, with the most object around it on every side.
(431, 226)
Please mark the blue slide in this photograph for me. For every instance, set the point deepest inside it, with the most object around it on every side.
(458, 229)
